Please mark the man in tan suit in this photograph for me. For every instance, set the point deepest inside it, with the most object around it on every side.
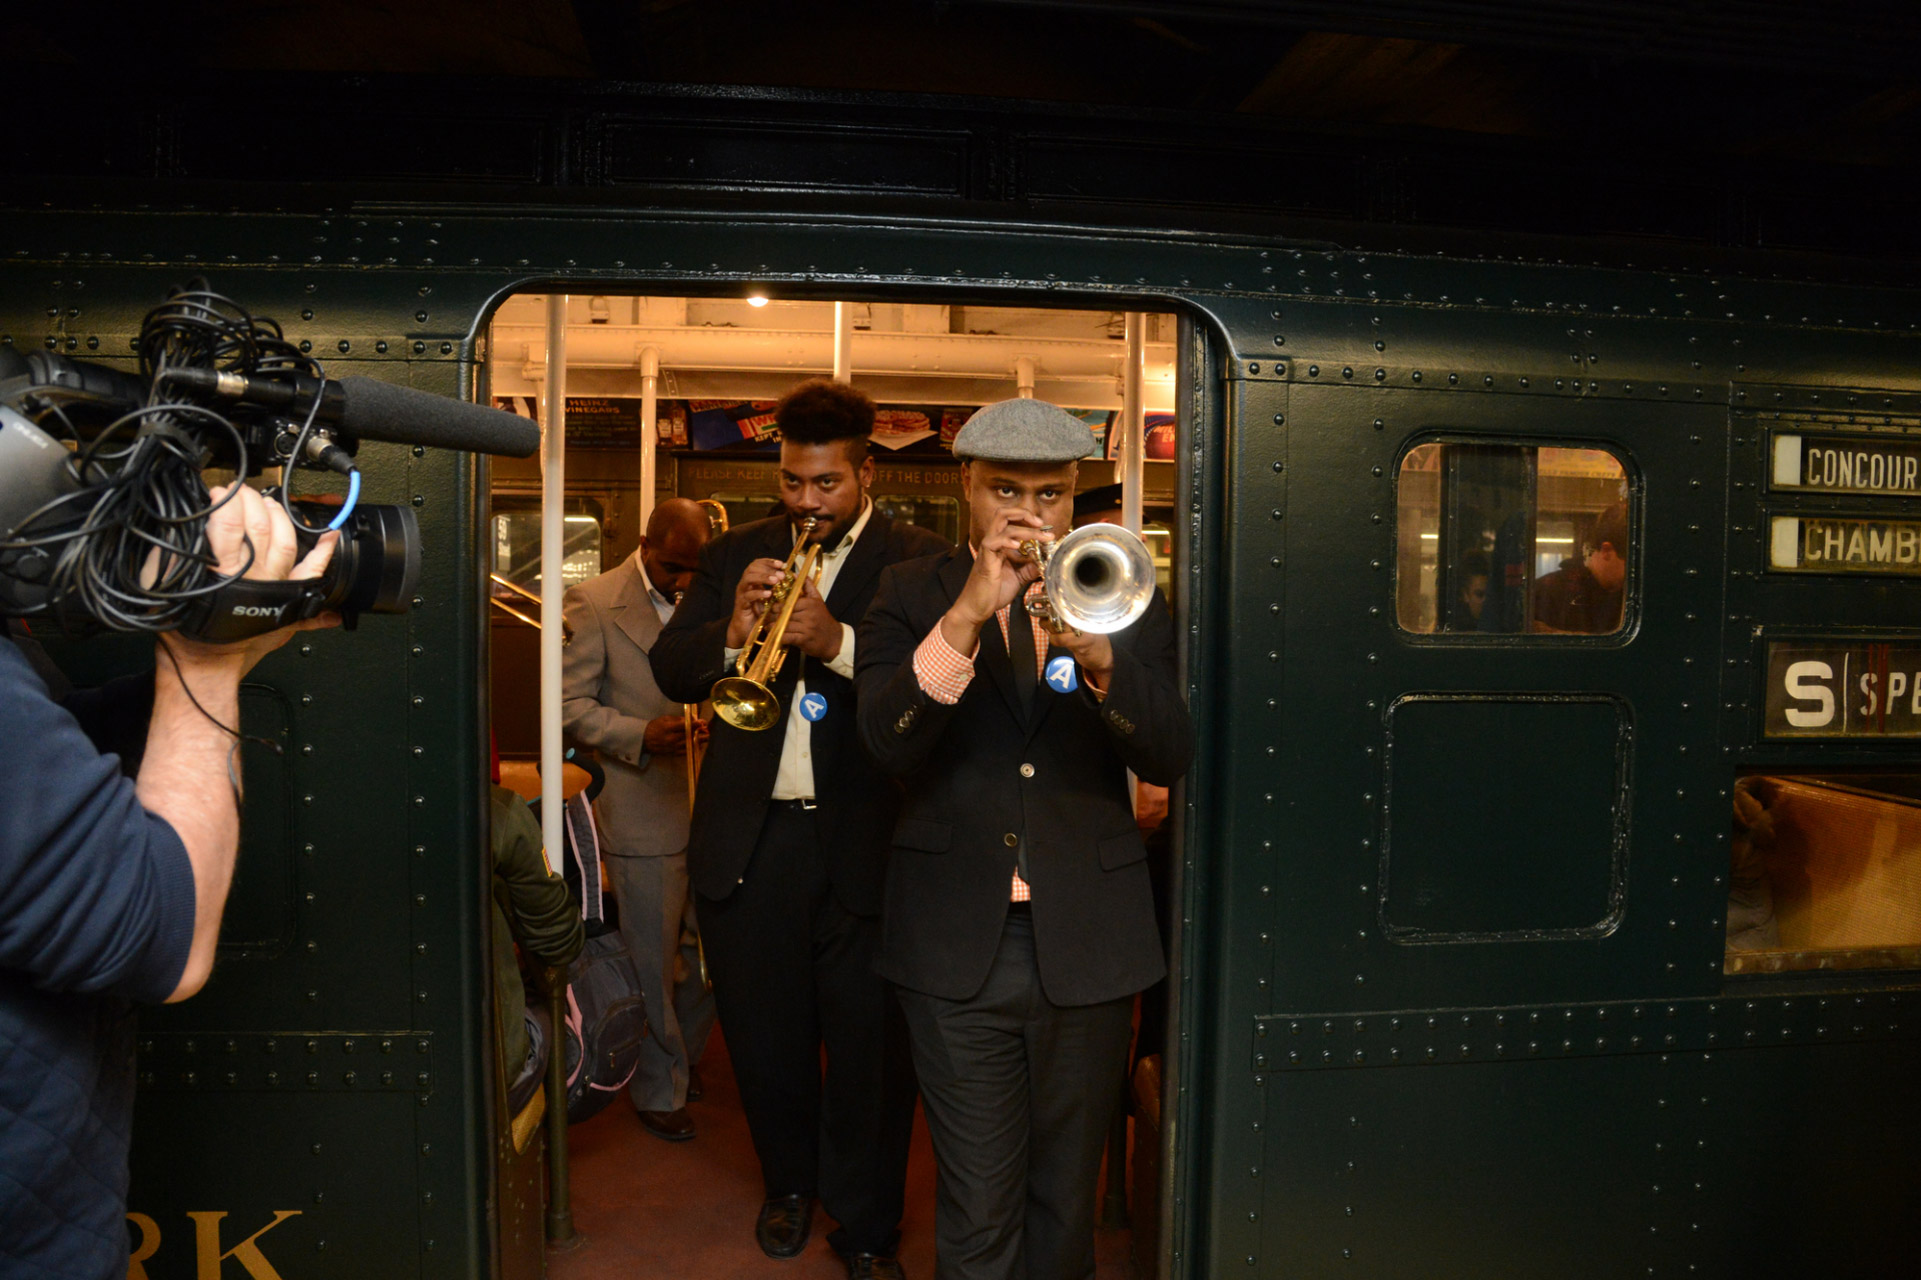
(609, 702)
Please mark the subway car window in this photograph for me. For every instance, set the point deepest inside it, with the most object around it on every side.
(1825, 873)
(743, 507)
(940, 515)
(517, 548)
(1506, 539)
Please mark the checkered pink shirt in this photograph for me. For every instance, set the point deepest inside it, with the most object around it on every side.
(945, 675)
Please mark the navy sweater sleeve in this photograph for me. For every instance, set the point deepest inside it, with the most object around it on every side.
(96, 894)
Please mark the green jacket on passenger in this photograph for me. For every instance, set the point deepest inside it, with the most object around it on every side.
(532, 908)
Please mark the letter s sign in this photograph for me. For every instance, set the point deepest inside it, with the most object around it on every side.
(1801, 687)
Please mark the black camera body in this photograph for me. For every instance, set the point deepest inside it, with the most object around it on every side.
(103, 509)
(374, 570)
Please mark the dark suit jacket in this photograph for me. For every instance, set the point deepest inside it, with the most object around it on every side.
(857, 803)
(968, 789)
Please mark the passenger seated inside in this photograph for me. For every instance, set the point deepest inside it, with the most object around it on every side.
(1587, 596)
(531, 908)
(1470, 596)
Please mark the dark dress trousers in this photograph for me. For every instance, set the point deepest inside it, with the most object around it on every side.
(1020, 1018)
(788, 898)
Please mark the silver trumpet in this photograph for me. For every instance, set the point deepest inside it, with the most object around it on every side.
(1098, 578)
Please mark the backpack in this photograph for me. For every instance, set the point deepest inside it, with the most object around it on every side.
(607, 1014)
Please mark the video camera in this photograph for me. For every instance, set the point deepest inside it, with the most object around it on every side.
(103, 508)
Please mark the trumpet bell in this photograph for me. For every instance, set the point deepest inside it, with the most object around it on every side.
(745, 704)
(1100, 578)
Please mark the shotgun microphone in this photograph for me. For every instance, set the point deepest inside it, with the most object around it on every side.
(369, 409)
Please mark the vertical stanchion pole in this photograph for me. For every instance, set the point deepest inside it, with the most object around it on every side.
(553, 502)
(1133, 419)
(560, 1206)
(843, 342)
(649, 429)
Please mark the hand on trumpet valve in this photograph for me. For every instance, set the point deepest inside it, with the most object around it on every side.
(812, 629)
(1004, 567)
(751, 598)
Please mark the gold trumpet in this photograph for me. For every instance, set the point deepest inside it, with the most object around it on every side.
(747, 700)
(716, 514)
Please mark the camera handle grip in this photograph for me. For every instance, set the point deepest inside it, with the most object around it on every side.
(248, 607)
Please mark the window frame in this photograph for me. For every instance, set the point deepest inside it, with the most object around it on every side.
(1633, 584)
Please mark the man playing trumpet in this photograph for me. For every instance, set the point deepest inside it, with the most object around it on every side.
(1019, 922)
(789, 843)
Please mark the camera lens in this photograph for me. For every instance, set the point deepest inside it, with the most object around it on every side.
(377, 564)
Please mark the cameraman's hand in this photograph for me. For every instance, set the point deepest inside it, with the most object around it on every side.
(189, 775)
(248, 519)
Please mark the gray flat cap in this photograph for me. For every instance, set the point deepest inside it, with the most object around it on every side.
(1025, 431)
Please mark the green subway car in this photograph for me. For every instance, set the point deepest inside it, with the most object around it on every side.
(1547, 891)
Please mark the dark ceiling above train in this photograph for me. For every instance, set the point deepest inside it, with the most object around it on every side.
(1444, 125)
(1832, 82)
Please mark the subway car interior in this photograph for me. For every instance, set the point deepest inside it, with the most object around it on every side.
(673, 397)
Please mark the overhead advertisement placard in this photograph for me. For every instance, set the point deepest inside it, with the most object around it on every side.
(1844, 544)
(1847, 464)
(1843, 689)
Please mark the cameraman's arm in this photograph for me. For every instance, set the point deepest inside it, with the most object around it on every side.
(184, 775)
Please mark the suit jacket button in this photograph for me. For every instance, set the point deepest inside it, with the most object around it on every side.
(1027, 771)
(1010, 839)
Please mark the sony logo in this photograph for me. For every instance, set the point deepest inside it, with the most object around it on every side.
(258, 610)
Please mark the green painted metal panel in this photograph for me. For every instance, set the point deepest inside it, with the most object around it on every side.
(1505, 817)
(1311, 372)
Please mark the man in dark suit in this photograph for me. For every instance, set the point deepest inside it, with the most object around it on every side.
(1019, 921)
(611, 702)
(789, 847)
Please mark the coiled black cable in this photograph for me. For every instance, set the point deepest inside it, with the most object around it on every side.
(129, 549)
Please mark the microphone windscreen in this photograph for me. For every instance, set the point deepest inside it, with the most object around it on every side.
(376, 410)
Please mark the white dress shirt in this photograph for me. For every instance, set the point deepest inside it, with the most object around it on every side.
(662, 605)
(795, 781)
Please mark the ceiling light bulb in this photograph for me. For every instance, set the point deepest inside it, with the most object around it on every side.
(756, 299)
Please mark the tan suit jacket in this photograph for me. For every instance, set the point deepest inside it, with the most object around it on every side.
(608, 695)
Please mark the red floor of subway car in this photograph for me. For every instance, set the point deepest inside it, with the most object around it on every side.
(648, 1209)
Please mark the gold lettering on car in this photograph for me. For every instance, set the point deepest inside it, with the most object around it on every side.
(209, 1257)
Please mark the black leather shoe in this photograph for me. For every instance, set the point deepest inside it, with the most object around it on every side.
(675, 1125)
(784, 1223)
(694, 1089)
(874, 1266)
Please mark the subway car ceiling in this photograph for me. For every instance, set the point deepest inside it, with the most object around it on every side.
(755, 347)
(720, 362)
